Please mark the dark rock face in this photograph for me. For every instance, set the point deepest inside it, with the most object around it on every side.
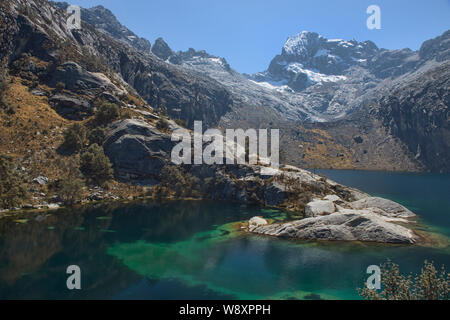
(393, 63)
(275, 194)
(76, 79)
(71, 107)
(418, 114)
(161, 49)
(137, 150)
(437, 48)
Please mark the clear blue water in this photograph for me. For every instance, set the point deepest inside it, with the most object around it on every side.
(191, 250)
(426, 194)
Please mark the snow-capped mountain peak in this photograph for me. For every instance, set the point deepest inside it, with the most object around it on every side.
(308, 58)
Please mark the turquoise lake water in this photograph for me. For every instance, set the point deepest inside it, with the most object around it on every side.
(189, 250)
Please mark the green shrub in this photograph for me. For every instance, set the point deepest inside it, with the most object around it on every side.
(97, 135)
(182, 183)
(70, 190)
(181, 123)
(106, 113)
(429, 285)
(60, 86)
(162, 124)
(3, 82)
(95, 165)
(12, 187)
(75, 138)
(3, 86)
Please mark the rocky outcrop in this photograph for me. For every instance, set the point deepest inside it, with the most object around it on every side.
(390, 208)
(182, 93)
(256, 222)
(341, 227)
(319, 208)
(137, 150)
(105, 21)
(370, 219)
(71, 107)
(161, 49)
(76, 79)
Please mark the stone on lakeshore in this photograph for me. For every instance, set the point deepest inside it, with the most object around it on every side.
(256, 222)
(341, 227)
(332, 198)
(319, 208)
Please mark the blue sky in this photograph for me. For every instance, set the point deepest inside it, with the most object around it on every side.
(249, 33)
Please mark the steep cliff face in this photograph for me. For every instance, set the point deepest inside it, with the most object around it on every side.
(417, 112)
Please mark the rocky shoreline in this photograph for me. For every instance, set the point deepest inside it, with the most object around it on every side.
(326, 210)
(370, 219)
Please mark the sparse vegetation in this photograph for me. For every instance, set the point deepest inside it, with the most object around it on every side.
(13, 190)
(95, 165)
(429, 285)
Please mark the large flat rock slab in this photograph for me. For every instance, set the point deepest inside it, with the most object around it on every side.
(341, 227)
(392, 209)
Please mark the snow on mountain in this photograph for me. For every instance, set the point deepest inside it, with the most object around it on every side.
(309, 58)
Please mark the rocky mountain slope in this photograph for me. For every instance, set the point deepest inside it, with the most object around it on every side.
(335, 84)
(194, 85)
(318, 80)
(53, 80)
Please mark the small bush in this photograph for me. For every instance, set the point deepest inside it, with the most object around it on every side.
(75, 138)
(162, 124)
(429, 285)
(182, 183)
(97, 136)
(60, 86)
(12, 187)
(125, 114)
(106, 113)
(95, 165)
(70, 190)
(3, 86)
(181, 123)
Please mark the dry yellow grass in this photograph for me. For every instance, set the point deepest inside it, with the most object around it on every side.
(324, 152)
